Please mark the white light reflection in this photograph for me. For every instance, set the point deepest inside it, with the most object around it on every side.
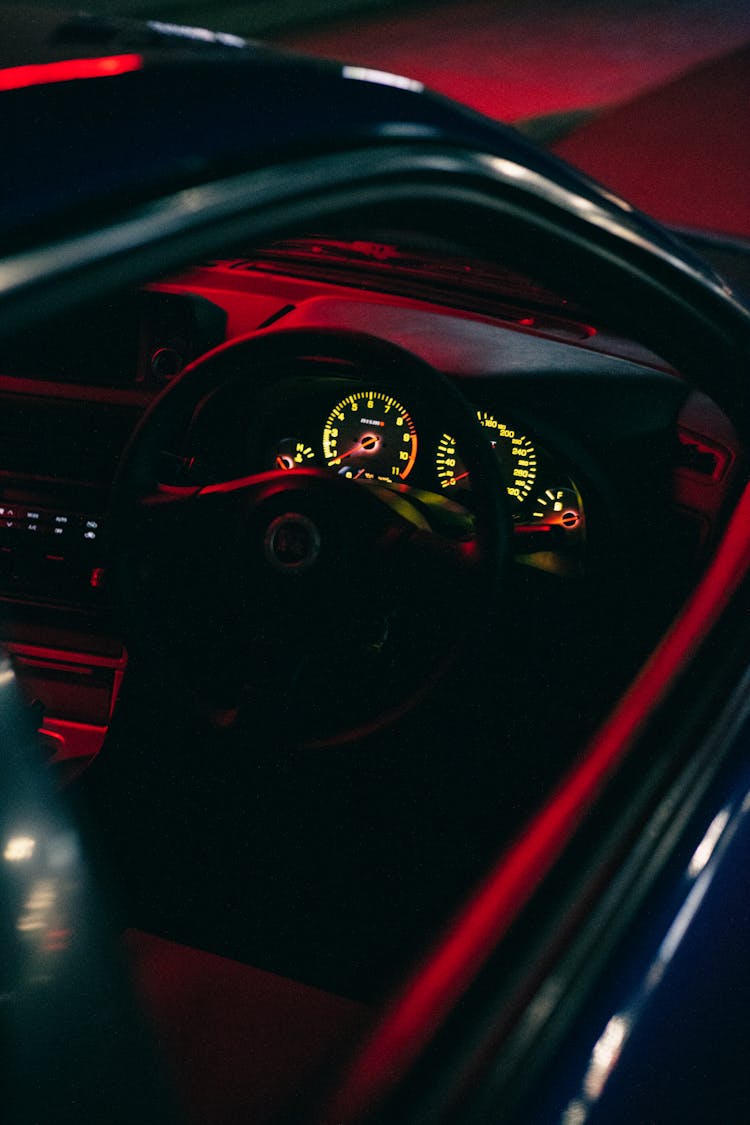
(382, 78)
(510, 170)
(570, 199)
(575, 1114)
(553, 192)
(39, 907)
(705, 849)
(616, 199)
(201, 34)
(605, 1055)
(610, 1044)
(19, 848)
(679, 927)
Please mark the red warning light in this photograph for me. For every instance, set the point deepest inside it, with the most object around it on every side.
(96, 578)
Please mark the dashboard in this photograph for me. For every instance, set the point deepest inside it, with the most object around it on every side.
(604, 456)
(368, 434)
(365, 431)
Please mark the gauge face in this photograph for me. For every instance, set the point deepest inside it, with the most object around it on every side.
(558, 506)
(369, 434)
(290, 453)
(514, 451)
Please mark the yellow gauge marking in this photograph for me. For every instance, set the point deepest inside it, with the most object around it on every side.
(291, 453)
(362, 444)
(302, 453)
(514, 451)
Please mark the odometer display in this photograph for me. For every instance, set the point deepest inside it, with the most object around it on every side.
(369, 434)
(514, 451)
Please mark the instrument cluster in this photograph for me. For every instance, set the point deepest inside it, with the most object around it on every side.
(369, 434)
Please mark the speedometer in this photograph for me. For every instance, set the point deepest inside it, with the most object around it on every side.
(370, 435)
(514, 451)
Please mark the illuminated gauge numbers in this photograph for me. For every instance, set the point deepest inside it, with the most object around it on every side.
(552, 535)
(513, 450)
(290, 453)
(370, 435)
(559, 507)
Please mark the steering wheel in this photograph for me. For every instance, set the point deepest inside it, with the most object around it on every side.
(306, 602)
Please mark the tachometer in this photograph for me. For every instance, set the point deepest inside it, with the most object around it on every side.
(514, 451)
(369, 434)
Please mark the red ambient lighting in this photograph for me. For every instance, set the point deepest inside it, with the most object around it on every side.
(410, 1024)
(70, 70)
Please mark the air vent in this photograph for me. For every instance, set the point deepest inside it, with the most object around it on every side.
(704, 458)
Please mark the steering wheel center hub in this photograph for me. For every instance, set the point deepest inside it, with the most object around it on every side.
(292, 543)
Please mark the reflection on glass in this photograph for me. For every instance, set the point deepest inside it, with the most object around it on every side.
(381, 78)
(39, 907)
(19, 848)
(609, 1046)
(575, 1114)
(605, 1054)
(705, 849)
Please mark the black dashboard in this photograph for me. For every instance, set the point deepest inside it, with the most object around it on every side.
(607, 459)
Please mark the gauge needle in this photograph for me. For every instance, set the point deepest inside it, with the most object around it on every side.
(364, 445)
(532, 528)
(454, 480)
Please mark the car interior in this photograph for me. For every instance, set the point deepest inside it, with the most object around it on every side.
(321, 559)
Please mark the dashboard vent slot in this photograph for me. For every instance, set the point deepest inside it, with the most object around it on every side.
(698, 455)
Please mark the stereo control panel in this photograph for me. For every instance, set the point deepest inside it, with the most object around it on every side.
(55, 551)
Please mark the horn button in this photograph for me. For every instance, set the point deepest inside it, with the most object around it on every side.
(292, 543)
